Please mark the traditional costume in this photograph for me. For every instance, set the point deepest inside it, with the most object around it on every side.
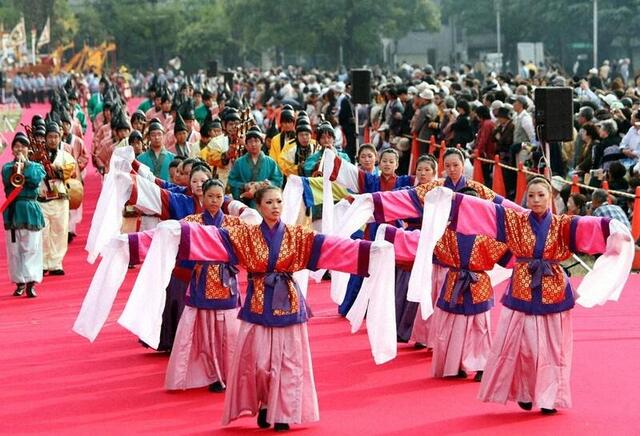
(530, 361)
(23, 224)
(461, 334)
(208, 328)
(54, 201)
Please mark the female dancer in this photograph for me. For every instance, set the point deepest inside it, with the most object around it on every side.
(271, 373)
(208, 328)
(406, 311)
(530, 361)
(461, 335)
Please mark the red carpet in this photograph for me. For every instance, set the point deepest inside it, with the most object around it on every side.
(56, 382)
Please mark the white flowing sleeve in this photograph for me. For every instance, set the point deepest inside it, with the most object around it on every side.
(357, 215)
(244, 212)
(437, 206)
(610, 272)
(121, 159)
(104, 287)
(292, 199)
(142, 314)
(376, 300)
(347, 174)
(107, 218)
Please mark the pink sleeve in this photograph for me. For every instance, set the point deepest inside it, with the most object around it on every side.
(139, 244)
(340, 254)
(394, 205)
(508, 204)
(588, 234)
(474, 216)
(204, 243)
(405, 243)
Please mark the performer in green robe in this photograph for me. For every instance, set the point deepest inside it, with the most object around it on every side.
(253, 170)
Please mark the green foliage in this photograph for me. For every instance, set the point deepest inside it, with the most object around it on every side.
(556, 23)
(150, 32)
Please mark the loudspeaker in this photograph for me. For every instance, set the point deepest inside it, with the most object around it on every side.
(228, 77)
(554, 114)
(361, 86)
(212, 68)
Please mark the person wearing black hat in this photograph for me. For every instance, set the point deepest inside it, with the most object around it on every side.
(287, 132)
(102, 129)
(295, 153)
(138, 121)
(76, 111)
(156, 109)
(164, 115)
(189, 117)
(207, 106)
(122, 129)
(254, 170)
(75, 147)
(149, 102)
(326, 139)
(54, 201)
(23, 219)
(180, 132)
(136, 141)
(222, 150)
(157, 158)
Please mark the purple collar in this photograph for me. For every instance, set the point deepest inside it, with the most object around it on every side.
(462, 182)
(273, 237)
(212, 220)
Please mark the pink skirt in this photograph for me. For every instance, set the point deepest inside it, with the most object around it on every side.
(203, 348)
(272, 369)
(530, 360)
(461, 342)
(422, 331)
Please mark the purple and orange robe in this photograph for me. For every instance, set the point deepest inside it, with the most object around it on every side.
(467, 287)
(270, 257)
(213, 285)
(539, 285)
(408, 203)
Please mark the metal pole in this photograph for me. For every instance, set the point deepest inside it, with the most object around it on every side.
(595, 33)
(33, 45)
(498, 25)
(357, 126)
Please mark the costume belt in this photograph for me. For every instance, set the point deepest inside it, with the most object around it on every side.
(538, 268)
(279, 282)
(463, 282)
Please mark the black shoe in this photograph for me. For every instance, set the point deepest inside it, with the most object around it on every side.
(478, 376)
(216, 387)
(400, 340)
(45, 272)
(56, 272)
(525, 406)
(31, 290)
(548, 411)
(280, 426)
(262, 419)
(461, 374)
(419, 346)
(19, 292)
(70, 237)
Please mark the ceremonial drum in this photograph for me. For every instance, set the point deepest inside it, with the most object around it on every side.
(75, 190)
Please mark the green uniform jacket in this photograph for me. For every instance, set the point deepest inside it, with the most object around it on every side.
(24, 212)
